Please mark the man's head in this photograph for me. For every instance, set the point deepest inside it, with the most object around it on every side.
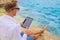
(11, 8)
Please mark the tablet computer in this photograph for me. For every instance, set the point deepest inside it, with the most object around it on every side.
(27, 22)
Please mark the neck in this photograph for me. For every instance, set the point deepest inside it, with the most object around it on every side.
(10, 14)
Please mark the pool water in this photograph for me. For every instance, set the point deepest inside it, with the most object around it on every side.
(44, 12)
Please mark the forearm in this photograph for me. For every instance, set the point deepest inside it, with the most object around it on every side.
(29, 32)
(35, 36)
(41, 30)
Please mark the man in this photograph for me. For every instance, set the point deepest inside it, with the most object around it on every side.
(9, 30)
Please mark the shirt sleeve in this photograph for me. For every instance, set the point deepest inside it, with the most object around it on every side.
(16, 34)
(19, 25)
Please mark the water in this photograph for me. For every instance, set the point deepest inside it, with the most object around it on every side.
(44, 12)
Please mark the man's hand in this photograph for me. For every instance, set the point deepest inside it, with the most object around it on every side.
(21, 21)
(43, 29)
(27, 31)
(40, 31)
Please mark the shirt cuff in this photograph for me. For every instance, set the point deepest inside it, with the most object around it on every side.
(19, 25)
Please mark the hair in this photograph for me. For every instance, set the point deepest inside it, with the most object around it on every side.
(9, 5)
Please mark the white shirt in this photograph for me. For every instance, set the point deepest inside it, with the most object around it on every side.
(9, 30)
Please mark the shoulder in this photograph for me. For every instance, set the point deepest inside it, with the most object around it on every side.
(1, 18)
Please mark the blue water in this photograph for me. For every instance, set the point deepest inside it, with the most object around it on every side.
(44, 12)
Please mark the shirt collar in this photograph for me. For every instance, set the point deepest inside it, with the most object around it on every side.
(9, 17)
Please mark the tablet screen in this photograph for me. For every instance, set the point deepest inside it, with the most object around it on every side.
(27, 22)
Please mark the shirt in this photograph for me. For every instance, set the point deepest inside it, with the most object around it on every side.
(9, 30)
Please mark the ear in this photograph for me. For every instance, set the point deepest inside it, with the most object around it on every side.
(13, 11)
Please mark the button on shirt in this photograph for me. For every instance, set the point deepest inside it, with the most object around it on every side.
(9, 30)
